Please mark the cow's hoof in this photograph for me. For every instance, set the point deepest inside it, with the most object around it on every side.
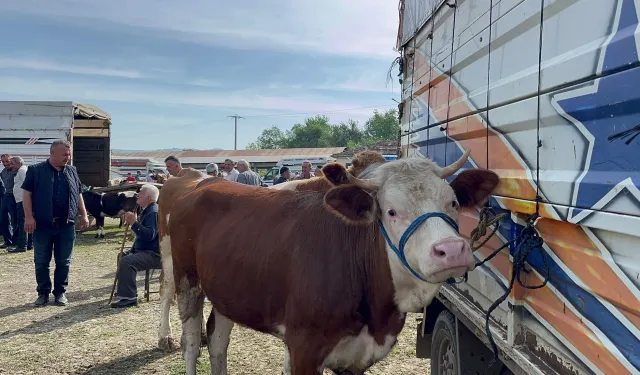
(102, 236)
(167, 344)
(97, 235)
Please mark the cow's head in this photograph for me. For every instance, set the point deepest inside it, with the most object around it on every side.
(397, 194)
(127, 202)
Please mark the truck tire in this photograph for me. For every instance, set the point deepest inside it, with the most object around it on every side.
(444, 345)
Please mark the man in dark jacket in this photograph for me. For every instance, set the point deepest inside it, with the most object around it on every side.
(285, 175)
(51, 201)
(145, 252)
(8, 206)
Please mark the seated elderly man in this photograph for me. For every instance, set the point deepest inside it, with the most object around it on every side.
(145, 252)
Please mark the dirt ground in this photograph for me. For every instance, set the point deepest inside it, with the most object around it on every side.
(89, 337)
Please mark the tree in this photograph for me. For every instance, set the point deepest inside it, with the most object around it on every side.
(318, 132)
(315, 132)
(343, 133)
(382, 127)
(270, 138)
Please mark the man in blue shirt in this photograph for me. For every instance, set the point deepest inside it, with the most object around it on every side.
(51, 201)
(145, 252)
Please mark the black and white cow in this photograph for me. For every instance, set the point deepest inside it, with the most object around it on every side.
(112, 204)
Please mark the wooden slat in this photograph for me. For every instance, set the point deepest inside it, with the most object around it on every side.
(79, 132)
(91, 123)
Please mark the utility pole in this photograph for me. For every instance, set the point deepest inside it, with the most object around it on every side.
(235, 138)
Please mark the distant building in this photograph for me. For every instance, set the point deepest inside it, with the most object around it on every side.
(259, 159)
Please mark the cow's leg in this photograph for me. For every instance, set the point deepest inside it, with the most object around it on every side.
(286, 369)
(167, 291)
(190, 302)
(304, 356)
(219, 333)
(100, 226)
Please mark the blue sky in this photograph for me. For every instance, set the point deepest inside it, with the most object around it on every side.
(170, 72)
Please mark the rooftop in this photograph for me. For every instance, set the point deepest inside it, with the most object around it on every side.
(218, 156)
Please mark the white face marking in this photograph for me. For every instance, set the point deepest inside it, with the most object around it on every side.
(435, 251)
(359, 351)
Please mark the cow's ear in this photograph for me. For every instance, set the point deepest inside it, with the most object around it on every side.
(335, 173)
(352, 204)
(473, 186)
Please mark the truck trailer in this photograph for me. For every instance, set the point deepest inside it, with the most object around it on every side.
(546, 93)
(27, 129)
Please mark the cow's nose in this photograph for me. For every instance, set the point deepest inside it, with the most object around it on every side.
(450, 250)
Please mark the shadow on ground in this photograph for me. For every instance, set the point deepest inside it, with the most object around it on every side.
(74, 296)
(69, 316)
(125, 365)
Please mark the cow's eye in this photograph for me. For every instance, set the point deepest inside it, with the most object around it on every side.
(391, 212)
(455, 204)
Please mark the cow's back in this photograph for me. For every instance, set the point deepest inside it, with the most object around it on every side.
(280, 250)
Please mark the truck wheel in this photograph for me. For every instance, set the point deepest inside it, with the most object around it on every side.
(444, 345)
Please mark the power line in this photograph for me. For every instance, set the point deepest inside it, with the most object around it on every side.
(235, 137)
(321, 112)
(178, 127)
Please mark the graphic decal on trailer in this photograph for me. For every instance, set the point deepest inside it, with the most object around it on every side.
(590, 304)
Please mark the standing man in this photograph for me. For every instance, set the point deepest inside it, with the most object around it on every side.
(51, 200)
(173, 165)
(285, 175)
(145, 252)
(8, 206)
(24, 240)
(306, 171)
(247, 176)
(232, 172)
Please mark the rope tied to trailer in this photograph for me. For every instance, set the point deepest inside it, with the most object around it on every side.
(527, 241)
(487, 219)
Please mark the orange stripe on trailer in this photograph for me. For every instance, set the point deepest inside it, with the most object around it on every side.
(584, 259)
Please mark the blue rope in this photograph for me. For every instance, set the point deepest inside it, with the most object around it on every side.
(409, 231)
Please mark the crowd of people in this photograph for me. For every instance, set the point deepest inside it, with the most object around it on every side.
(41, 203)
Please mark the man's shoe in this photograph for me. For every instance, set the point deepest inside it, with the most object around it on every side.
(16, 250)
(5, 245)
(124, 303)
(61, 300)
(42, 300)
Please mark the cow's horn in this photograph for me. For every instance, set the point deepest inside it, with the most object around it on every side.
(363, 184)
(449, 170)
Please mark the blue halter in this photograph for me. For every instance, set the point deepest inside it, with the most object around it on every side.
(410, 230)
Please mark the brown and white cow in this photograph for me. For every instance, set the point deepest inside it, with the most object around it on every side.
(186, 180)
(316, 269)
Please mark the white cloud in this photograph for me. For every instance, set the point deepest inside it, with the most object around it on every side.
(44, 65)
(363, 28)
(36, 89)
